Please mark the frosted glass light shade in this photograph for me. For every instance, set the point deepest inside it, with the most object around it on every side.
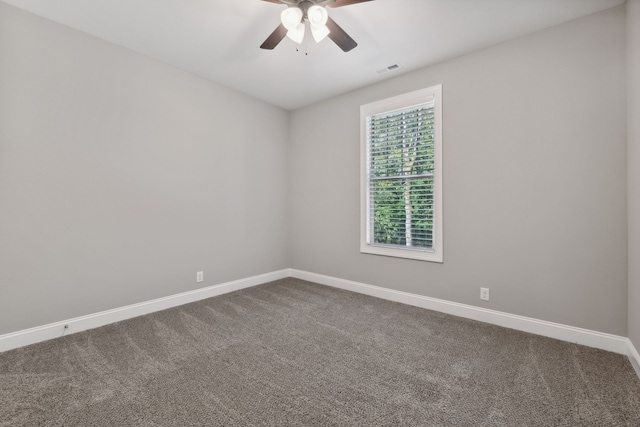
(291, 17)
(297, 33)
(319, 32)
(317, 16)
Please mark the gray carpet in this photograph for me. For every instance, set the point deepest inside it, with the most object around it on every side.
(300, 354)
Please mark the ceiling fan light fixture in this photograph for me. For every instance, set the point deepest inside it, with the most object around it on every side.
(291, 18)
(297, 33)
(319, 32)
(317, 16)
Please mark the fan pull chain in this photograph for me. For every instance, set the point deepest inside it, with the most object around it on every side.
(306, 49)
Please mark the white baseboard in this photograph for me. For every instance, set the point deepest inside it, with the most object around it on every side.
(79, 324)
(634, 357)
(613, 343)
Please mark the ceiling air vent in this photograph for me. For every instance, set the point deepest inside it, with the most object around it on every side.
(392, 67)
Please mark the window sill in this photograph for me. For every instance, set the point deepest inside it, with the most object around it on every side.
(416, 254)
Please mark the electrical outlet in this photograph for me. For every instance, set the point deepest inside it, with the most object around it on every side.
(484, 294)
(200, 276)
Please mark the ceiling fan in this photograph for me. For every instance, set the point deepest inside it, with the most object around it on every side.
(312, 11)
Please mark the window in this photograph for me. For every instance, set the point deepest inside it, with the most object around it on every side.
(401, 176)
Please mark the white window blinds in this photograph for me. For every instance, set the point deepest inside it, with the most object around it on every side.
(400, 177)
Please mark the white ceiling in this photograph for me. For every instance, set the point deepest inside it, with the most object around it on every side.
(220, 39)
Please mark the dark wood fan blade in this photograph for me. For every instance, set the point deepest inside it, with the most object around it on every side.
(340, 37)
(275, 38)
(340, 3)
(273, 1)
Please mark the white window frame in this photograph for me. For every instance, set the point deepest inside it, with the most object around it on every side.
(434, 254)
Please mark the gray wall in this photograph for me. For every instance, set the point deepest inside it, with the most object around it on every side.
(633, 141)
(120, 177)
(534, 179)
